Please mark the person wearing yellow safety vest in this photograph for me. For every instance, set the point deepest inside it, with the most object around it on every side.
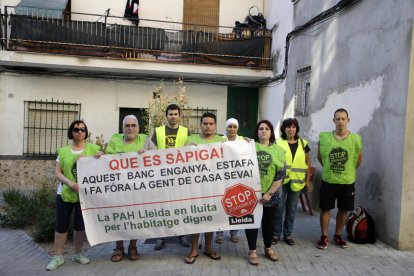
(172, 135)
(297, 162)
(340, 154)
(129, 141)
(232, 126)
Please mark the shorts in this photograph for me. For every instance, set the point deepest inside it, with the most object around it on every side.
(343, 193)
(63, 214)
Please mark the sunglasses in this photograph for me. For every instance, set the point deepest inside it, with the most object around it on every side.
(76, 130)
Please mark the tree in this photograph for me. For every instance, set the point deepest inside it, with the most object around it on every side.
(159, 102)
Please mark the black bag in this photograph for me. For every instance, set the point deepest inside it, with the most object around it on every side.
(256, 21)
(360, 226)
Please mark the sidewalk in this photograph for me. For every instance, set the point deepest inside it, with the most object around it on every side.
(21, 256)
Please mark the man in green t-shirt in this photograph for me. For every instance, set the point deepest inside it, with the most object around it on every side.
(129, 141)
(208, 135)
(340, 154)
(171, 135)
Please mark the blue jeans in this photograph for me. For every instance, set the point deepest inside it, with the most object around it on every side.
(232, 233)
(287, 209)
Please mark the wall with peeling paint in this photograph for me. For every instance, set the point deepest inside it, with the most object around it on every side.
(359, 62)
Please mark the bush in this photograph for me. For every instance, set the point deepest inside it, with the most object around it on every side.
(17, 210)
(34, 209)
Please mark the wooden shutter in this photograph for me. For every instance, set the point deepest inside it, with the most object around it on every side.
(201, 12)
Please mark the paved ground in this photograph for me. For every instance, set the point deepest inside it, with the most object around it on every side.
(21, 256)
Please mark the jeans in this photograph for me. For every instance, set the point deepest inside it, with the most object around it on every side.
(232, 233)
(287, 207)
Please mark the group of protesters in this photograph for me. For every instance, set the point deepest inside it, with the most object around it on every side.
(282, 179)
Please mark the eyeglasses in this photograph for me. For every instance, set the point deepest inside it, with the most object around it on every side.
(76, 130)
(130, 126)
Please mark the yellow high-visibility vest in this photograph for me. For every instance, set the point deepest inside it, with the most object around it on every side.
(295, 168)
(180, 140)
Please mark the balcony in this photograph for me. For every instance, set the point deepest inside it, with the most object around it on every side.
(151, 48)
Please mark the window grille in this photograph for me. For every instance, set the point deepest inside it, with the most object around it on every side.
(46, 125)
(194, 117)
(302, 91)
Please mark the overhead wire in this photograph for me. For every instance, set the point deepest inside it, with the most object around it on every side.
(326, 15)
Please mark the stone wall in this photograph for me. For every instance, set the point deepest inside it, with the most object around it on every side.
(25, 174)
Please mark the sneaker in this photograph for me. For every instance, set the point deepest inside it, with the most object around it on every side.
(234, 238)
(159, 244)
(339, 241)
(184, 241)
(289, 241)
(55, 262)
(219, 239)
(323, 242)
(80, 259)
(275, 240)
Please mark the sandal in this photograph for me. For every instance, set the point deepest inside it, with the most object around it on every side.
(253, 258)
(118, 255)
(213, 255)
(190, 259)
(133, 253)
(271, 255)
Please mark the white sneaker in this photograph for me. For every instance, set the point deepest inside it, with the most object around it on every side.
(55, 262)
(80, 258)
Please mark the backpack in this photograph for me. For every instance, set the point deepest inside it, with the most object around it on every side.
(360, 226)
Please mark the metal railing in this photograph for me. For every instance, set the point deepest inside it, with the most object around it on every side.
(115, 37)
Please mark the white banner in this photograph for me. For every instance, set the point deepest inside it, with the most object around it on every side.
(169, 192)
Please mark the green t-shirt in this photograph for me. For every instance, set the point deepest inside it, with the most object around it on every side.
(339, 157)
(117, 145)
(271, 159)
(67, 161)
(196, 139)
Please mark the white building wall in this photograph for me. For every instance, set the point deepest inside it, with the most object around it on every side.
(272, 104)
(164, 10)
(361, 63)
(100, 102)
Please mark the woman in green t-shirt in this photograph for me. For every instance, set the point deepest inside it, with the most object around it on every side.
(67, 198)
(271, 158)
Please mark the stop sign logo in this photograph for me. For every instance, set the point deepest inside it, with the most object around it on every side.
(239, 200)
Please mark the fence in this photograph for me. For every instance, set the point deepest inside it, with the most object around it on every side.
(108, 36)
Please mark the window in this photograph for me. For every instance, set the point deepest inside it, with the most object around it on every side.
(192, 121)
(140, 113)
(46, 125)
(205, 13)
(302, 90)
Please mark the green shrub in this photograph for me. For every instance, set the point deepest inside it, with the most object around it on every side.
(35, 209)
(44, 229)
(18, 208)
